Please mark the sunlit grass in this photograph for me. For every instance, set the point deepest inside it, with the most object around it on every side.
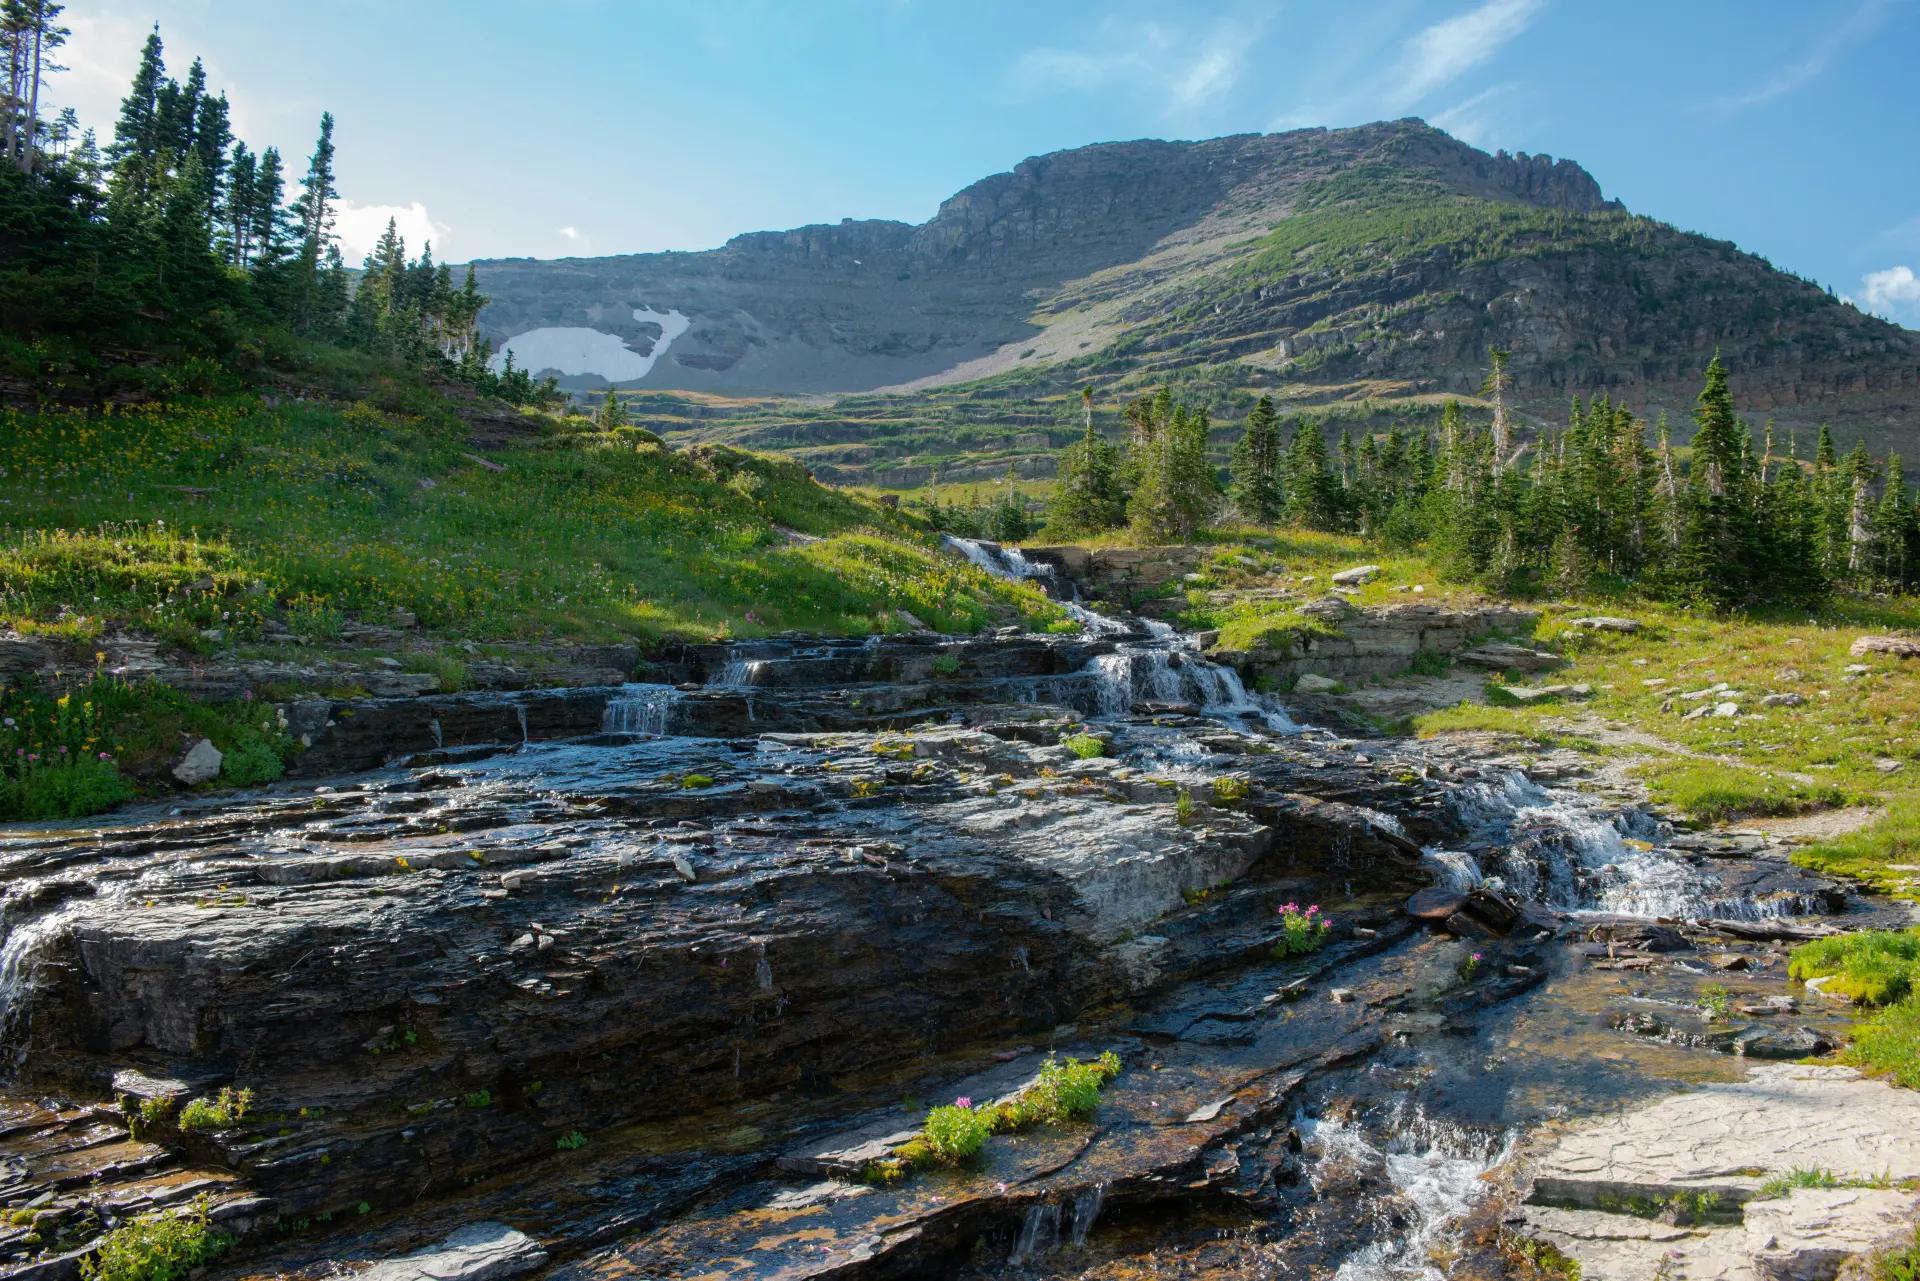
(216, 515)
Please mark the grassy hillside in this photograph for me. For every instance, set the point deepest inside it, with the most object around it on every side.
(201, 520)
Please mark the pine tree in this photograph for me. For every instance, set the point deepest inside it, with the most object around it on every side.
(612, 415)
(1086, 493)
(1310, 500)
(1255, 487)
(1720, 543)
(314, 212)
(1499, 382)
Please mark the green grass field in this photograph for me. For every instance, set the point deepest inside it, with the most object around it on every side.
(211, 515)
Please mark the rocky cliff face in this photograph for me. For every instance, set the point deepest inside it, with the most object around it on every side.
(1386, 257)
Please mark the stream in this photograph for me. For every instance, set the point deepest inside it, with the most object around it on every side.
(736, 941)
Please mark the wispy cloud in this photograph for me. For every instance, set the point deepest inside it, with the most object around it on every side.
(1857, 26)
(1437, 56)
(571, 233)
(1430, 60)
(1472, 121)
(1893, 293)
(1185, 68)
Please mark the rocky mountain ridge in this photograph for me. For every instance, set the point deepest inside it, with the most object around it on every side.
(1377, 262)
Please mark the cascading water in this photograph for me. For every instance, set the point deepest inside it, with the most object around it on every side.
(640, 709)
(1436, 1170)
(1556, 848)
(1166, 667)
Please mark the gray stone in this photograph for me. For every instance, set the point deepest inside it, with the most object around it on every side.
(1893, 646)
(1313, 683)
(1605, 623)
(1356, 576)
(477, 1252)
(201, 764)
(1782, 700)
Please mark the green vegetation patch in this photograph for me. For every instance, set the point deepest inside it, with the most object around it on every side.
(1879, 969)
(69, 753)
(1712, 792)
(956, 1133)
(204, 520)
(157, 1247)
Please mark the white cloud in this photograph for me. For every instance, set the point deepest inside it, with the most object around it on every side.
(1471, 121)
(571, 233)
(1185, 67)
(1426, 62)
(1437, 56)
(1893, 293)
(361, 226)
(1857, 25)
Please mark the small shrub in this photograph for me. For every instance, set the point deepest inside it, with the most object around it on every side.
(157, 1247)
(1085, 746)
(479, 1098)
(863, 788)
(1899, 1264)
(1799, 1177)
(1230, 788)
(221, 1112)
(1715, 1002)
(1302, 931)
(946, 665)
(1430, 662)
(1183, 807)
(956, 1133)
(251, 765)
(571, 1141)
(146, 1114)
(696, 781)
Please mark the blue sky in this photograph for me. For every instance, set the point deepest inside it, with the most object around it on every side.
(607, 126)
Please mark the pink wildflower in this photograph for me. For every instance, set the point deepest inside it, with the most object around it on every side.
(963, 1102)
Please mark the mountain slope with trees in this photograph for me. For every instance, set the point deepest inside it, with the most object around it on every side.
(1319, 266)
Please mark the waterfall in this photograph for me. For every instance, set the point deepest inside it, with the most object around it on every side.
(1039, 1233)
(739, 673)
(1166, 667)
(1558, 848)
(640, 709)
(1436, 1171)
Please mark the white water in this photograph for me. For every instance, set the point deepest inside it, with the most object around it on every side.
(1556, 847)
(1164, 668)
(1436, 1169)
(640, 709)
(574, 349)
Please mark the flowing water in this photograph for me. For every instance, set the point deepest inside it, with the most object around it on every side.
(1425, 1167)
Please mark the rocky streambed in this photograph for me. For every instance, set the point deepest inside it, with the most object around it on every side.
(638, 981)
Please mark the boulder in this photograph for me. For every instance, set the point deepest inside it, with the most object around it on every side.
(1328, 609)
(1435, 903)
(1313, 683)
(1605, 623)
(1782, 700)
(1502, 656)
(1896, 646)
(1356, 576)
(201, 764)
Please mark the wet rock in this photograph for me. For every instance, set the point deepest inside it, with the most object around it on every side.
(1760, 1042)
(200, 764)
(1435, 903)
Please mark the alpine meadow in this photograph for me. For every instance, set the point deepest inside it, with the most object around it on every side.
(1315, 697)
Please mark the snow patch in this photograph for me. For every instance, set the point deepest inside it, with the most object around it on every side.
(574, 349)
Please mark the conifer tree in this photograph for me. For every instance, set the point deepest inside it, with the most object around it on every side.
(1310, 500)
(1254, 490)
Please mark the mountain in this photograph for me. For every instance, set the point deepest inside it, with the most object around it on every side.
(1376, 263)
